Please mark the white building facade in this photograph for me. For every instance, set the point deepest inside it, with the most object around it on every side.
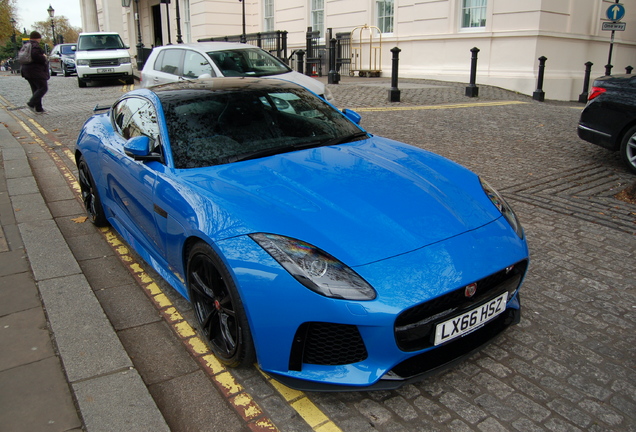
(435, 36)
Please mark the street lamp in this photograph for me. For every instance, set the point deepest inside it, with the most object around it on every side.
(13, 38)
(51, 12)
(140, 46)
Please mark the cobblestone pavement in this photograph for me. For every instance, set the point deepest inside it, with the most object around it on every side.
(570, 364)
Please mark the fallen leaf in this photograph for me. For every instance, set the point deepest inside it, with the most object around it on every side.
(80, 219)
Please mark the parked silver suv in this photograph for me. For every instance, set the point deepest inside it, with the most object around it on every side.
(102, 56)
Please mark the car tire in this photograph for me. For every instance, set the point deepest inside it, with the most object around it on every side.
(90, 196)
(66, 72)
(130, 81)
(628, 149)
(52, 72)
(81, 83)
(218, 307)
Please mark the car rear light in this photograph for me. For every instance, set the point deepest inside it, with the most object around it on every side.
(595, 92)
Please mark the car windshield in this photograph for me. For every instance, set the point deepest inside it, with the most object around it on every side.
(66, 49)
(217, 127)
(252, 62)
(99, 42)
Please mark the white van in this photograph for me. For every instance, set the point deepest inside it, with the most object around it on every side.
(102, 56)
(171, 63)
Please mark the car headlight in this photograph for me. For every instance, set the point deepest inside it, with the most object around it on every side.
(83, 62)
(503, 207)
(124, 60)
(315, 268)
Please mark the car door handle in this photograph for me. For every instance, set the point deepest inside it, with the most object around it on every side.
(161, 212)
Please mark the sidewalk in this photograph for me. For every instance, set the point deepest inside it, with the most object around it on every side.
(61, 383)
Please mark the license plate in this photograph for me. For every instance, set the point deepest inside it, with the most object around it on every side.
(107, 70)
(471, 320)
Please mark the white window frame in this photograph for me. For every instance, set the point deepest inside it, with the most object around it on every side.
(187, 24)
(268, 15)
(317, 13)
(381, 18)
(475, 7)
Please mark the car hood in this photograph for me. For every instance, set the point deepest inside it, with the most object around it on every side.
(361, 202)
(308, 82)
(101, 54)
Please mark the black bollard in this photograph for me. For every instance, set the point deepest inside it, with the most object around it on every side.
(539, 94)
(628, 70)
(300, 56)
(586, 82)
(394, 93)
(334, 76)
(608, 69)
(472, 90)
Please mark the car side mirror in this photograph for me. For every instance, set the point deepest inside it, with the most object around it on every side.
(352, 115)
(138, 148)
(73, 48)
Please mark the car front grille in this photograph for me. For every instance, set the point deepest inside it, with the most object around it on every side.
(324, 343)
(104, 62)
(434, 360)
(415, 327)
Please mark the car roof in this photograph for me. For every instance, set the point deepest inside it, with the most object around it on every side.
(98, 33)
(210, 46)
(65, 44)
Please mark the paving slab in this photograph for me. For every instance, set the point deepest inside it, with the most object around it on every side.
(49, 254)
(36, 397)
(106, 408)
(25, 338)
(17, 293)
(86, 340)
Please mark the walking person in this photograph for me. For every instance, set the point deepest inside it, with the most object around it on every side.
(36, 73)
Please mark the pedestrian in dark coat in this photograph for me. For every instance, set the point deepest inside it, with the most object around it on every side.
(36, 73)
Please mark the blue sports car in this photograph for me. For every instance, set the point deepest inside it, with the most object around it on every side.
(335, 258)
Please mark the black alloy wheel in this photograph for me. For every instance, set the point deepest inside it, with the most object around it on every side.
(218, 307)
(628, 149)
(90, 197)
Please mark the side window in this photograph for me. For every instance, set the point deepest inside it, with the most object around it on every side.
(136, 117)
(474, 14)
(195, 65)
(169, 61)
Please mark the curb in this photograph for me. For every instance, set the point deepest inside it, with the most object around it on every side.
(108, 390)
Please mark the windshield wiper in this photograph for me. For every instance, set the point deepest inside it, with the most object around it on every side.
(290, 148)
(260, 153)
(334, 141)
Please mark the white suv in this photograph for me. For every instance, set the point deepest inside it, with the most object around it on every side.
(102, 56)
(171, 63)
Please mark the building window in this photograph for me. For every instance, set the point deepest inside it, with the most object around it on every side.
(268, 15)
(187, 37)
(385, 15)
(318, 16)
(474, 13)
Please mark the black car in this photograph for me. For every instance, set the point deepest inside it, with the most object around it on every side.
(62, 59)
(609, 118)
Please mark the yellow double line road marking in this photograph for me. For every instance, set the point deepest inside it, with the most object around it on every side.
(240, 399)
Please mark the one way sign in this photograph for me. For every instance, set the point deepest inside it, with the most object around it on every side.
(615, 12)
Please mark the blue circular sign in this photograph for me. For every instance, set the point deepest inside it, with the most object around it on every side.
(615, 12)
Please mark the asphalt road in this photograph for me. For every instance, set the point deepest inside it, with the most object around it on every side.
(569, 365)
